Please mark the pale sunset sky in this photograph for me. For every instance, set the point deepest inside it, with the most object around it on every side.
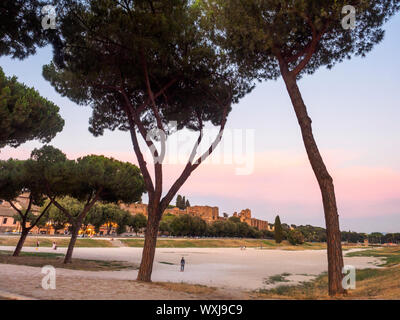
(355, 109)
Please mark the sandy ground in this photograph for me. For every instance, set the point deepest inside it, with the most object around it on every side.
(231, 270)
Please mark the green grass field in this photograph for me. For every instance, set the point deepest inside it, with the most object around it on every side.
(224, 243)
(390, 255)
(61, 242)
(170, 243)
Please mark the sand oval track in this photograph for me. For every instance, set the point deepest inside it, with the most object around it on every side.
(229, 268)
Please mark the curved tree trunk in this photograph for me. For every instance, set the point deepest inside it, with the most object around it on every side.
(71, 245)
(21, 242)
(325, 181)
(150, 242)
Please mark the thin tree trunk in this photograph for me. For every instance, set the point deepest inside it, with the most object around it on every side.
(21, 242)
(325, 181)
(150, 242)
(71, 245)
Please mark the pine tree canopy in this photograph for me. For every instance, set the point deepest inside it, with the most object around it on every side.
(306, 34)
(25, 115)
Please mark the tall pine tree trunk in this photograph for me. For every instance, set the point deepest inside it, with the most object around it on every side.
(71, 245)
(150, 242)
(325, 181)
(21, 242)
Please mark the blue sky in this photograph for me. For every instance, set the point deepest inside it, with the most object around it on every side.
(355, 110)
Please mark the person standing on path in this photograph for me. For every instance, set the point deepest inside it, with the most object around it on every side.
(182, 264)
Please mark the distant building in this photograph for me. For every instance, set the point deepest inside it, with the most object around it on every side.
(245, 216)
(7, 221)
(207, 213)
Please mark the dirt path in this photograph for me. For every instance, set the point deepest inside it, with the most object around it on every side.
(19, 282)
(232, 271)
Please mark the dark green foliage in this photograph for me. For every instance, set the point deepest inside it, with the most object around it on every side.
(234, 219)
(391, 238)
(313, 234)
(121, 229)
(255, 32)
(165, 224)
(32, 219)
(21, 30)
(295, 237)
(278, 231)
(140, 65)
(233, 228)
(137, 222)
(12, 179)
(178, 201)
(269, 38)
(112, 179)
(266, 234)
(116, 41)
(33, 176)
(57, 218)
(192, 226)
(353, 237)
(187, 225)
(88, 180)
(108, 214)
(375, 237)
(25, 115)
(100, 214)
(18, 177)
(181, 202)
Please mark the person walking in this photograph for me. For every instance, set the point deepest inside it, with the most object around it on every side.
(183, 264)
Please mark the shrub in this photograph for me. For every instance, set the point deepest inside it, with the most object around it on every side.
(295, 237)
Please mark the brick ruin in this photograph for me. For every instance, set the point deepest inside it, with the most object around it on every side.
(245, 216)
(207, 213)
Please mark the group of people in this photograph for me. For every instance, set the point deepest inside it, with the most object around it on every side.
(54, 246)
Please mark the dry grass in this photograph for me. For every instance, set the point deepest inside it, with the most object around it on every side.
(225, 243)
(185, 287)
(172, 243)
(382, 283)
(40, 259)
(371, 284)
(61, 242)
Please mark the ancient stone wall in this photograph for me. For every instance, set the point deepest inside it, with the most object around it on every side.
(245, 216)
(207, 213)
